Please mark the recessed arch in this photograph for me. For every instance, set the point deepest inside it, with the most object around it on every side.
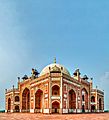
(55, 90)
(55, 84)
(56, 101)
(17, 99)
(93, 99)
(84, 99)
(55, 107)
(17, 108)
(38, 99)
(92, 108)
(26, 100)
(72, 99)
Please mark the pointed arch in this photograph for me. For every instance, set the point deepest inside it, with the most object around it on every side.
(92, 108)
(84, 99)
(55, 90)
(17, 108)
(39, 100)
(93, 99)
(72, 99)
(26, 100)
(55, 106)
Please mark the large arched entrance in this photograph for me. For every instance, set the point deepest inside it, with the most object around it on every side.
(17, 108)
(55, 107)
(9, 104)
(84, 100)
(55, 90)
(38, 100)
(72, 100)
(26, 100)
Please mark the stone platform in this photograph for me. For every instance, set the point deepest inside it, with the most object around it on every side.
(30, 116)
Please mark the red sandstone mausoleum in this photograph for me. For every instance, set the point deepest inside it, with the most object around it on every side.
(54, 90)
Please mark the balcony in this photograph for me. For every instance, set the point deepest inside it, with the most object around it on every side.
(92, 103)
(55, 97)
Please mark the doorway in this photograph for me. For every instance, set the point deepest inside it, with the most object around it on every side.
(55, 107)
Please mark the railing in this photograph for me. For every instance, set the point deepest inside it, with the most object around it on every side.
(93, 111)
(11, 90)
(55, 110)
(93, 102)
(8, 110)
(38, 110)
(55, 97)
(28, 110)
(16, 110)
(71, 110)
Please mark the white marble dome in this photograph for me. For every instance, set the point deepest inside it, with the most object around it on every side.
(46, 69)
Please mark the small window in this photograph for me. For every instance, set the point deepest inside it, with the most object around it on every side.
(92, 99)
(16, 98)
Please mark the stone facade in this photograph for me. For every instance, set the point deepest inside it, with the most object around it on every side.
(54, 91)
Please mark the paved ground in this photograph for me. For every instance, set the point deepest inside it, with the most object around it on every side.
(28, 116)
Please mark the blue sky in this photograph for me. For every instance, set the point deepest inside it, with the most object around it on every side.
(33, 32)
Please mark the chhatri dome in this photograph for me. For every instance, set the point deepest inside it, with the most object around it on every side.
(52, 66)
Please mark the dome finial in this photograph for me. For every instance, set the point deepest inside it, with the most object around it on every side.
(55, 60)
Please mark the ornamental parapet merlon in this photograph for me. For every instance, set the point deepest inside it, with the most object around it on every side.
(12, 90)
(85, 81)
(98, 91)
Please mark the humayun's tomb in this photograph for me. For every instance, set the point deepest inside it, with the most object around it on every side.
(54, 90)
